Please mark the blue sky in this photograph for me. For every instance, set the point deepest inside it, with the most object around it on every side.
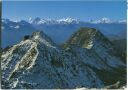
(84, 10)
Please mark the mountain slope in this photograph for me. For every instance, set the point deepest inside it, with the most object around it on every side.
(84, 61)
(38, 63)
(96, 51)
(120, 45)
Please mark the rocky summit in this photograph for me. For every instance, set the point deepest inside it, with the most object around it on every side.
(87, 60)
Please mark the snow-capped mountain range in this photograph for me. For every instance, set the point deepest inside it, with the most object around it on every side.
(107, 20)
(59, 30)
(70, 20)
(53, 21)
(67, 20)
(86, 60)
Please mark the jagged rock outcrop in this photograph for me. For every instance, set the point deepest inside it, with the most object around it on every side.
(37, 62)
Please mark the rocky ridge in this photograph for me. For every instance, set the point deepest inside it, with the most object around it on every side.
(37, 62)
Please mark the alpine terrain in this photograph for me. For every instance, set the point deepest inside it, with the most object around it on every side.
(86, 60)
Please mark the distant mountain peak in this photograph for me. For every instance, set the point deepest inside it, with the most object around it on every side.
(122, 21)
(68, 20)
(5, 20)
(35, 21)
(107, 21)
(102, 20)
